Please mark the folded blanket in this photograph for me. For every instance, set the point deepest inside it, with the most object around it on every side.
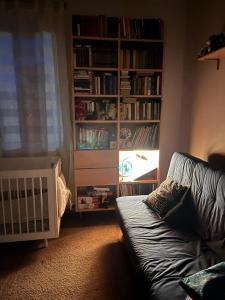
(208, 284)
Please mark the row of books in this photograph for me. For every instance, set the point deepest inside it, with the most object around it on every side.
(82, 81)
(136, 189)
(102, 26)
(102, 57)
(95, 138)
(86, 109)
(145, 84)
(106, 109)
(105, 84)
(141, 28)
(99, 57)
(142, 58)
(133, 109)
(143, 137)
(97, 83)
(95, 26)
(140, 83)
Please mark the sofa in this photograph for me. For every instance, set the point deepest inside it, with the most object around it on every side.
(161, 252)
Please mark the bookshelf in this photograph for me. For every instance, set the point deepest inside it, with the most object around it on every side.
(117, 97)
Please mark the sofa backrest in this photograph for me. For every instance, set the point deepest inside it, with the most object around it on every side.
(208, 194)
(181, 168)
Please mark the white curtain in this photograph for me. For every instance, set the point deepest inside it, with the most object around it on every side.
(34, 99)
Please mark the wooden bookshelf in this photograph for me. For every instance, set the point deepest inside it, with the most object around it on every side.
(117, 88)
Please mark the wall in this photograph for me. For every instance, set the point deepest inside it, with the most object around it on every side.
(172, 12)
(204, 85)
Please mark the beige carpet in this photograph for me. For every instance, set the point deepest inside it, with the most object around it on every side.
(86, 262)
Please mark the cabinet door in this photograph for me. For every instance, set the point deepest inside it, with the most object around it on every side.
(96, 159)
(91, 177)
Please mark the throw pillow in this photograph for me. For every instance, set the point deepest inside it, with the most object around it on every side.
(166, 198)
(208, 284)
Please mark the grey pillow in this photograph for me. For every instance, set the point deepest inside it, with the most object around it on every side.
(167, 198)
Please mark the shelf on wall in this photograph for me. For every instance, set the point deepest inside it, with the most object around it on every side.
(215, 55)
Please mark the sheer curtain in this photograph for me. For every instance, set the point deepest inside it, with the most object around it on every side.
(34, 100)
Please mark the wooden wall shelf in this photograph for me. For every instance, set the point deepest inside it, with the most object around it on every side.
(215, 55)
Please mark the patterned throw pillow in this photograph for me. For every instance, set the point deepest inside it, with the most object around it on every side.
(166, 198)
(208, 284)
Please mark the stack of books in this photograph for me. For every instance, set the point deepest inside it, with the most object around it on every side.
(82, 82)
(125, 86)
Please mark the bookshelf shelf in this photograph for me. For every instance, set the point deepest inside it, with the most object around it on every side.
(143, 96)
(95, 209)
(92, 38)
(117, 94)
(142, 70)
(95, 96)
(139, 121)
(97, 69)
(96, 122)
(141, 40)
(140, 181)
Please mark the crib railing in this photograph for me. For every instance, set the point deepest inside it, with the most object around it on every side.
(23, 205)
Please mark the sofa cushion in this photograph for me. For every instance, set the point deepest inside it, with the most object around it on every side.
(208, 194)
(181, 168)
(165, 199)
(163, 255)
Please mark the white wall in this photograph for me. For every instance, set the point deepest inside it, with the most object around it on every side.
(204, 85)
(172, 12)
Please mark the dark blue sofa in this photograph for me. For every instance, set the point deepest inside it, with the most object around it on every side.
(162, 253)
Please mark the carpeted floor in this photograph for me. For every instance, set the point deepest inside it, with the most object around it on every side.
(87, 262)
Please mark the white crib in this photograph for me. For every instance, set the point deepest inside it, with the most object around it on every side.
(33, 197)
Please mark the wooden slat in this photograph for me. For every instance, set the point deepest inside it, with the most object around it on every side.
(3, 207)
(18, 204)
